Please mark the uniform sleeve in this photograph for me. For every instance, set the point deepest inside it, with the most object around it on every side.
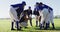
(46, 6)
(31, 11)
(35, 9)
(50, 8)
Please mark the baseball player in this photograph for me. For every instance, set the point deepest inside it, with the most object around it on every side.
(15, 12)
(36, 13)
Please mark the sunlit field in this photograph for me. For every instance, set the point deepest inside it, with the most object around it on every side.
(5, 26)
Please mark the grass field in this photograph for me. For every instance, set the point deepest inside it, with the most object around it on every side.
(5, 26)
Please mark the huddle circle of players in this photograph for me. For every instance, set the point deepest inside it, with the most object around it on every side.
(20, 17)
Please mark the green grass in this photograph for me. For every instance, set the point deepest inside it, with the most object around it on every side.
(5, 26)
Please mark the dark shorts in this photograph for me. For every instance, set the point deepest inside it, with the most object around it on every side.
(36, 13)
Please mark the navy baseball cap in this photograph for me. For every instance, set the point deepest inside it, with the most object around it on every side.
(41, 3)
(24, 2)
(29, 7)
(37, 2)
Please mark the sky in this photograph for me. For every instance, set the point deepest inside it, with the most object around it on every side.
(5, 6)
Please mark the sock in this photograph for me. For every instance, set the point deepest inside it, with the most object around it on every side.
(36, 23)
(17, 25)
(31, 22)
(40, 26)
(53, 25)
(12, 25)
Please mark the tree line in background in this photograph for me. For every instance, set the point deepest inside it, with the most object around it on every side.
(58, 16)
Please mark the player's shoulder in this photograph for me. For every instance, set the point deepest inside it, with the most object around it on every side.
(16, 4)
(46, 6)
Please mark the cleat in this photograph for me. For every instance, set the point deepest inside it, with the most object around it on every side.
(12, 29)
